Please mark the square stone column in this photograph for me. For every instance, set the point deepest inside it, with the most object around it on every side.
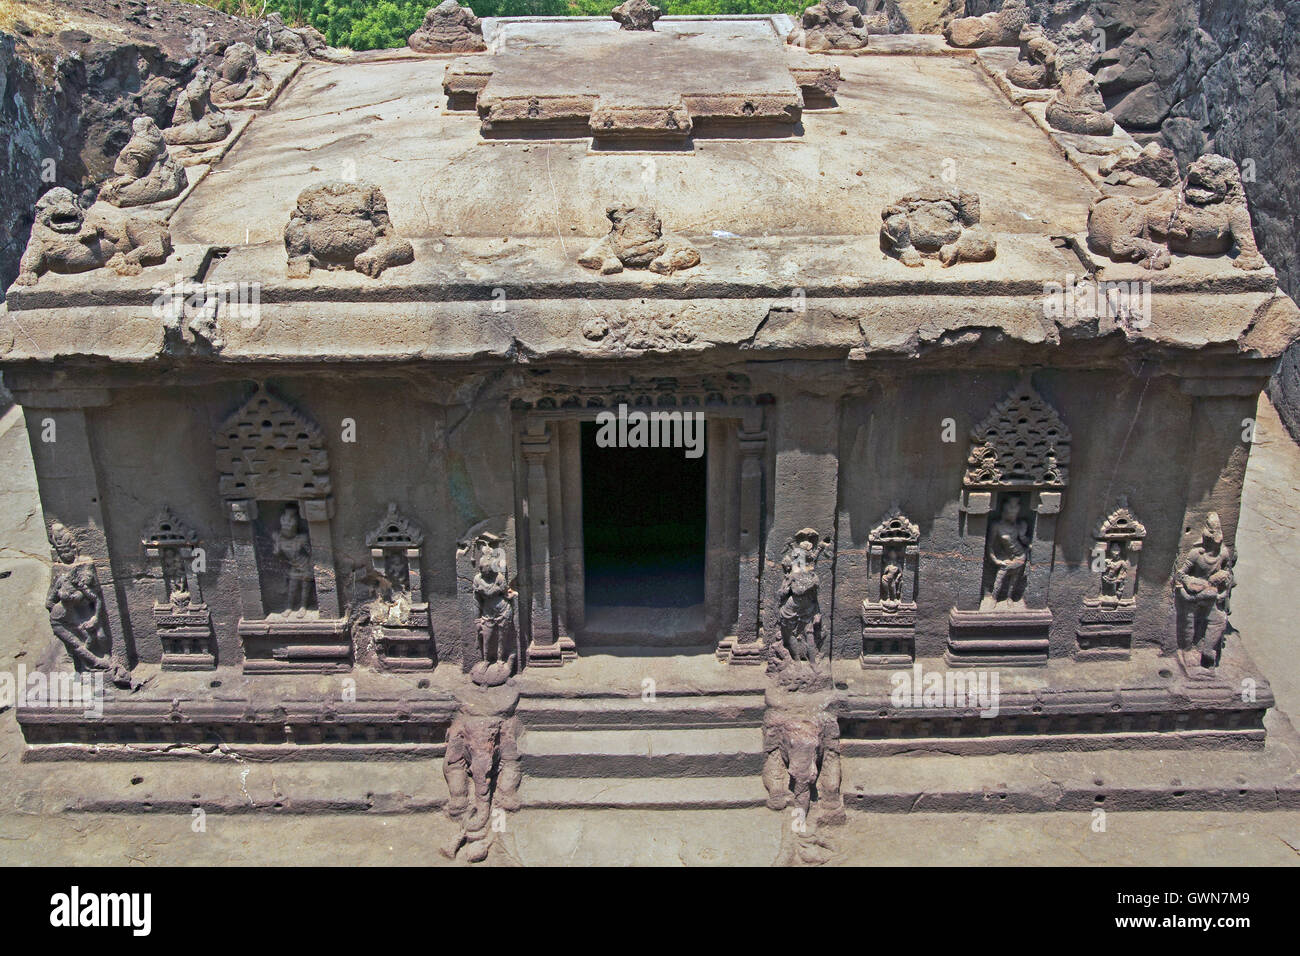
(59, 432)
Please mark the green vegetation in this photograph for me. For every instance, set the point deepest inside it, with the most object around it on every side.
(379, 24)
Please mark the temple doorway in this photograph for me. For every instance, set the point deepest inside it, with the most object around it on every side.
(644, 521)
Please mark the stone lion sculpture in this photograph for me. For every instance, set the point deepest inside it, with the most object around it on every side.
(830, 25)
(802, 761)
(448, 28)
(938, 224)
(145, 171)
(343, 225)
(65, 240)
(992, 29)
(1205, 215)
(239, 78)
(636, 240)
(1077, 106)
(196, 120)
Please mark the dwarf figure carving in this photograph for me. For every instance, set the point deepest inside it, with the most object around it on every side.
(76, 607)
(239, 78)
(992, 29)
(636, 239)
(482, 751)
(1077, 106)
(1009, 545)
(343, 225)
(803, 763)
(938, 224)
(196, 120)
(65, 240)
(448, 28)
(636, 15)
(1202, 589)
(145, 172)
(794, 660)
(1038, 64)
(830, 25)
(1205, 217)
(292, 545)
(498, 641)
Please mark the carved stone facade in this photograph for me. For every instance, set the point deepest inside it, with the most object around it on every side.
(182, 619)
(889, 617)
(1016, 472)
(399, 613)
(274, 475)
(1106, 623)
(382, 522)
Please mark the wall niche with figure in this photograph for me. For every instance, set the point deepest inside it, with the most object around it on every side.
(274, 477)
(1012, 489)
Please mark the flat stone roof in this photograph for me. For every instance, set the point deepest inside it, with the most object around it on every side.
(769, 215)
(897, 120)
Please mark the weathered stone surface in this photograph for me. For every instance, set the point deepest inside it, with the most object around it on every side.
(145, 172)
(636, 240)
(1037, 68)
(1204, 77)
(196, 120)
(239, 80)
(1077, 106)
(64, 239)
(636, 15)
(829, 26)
(343, 225)
(448, 28)
(1001, 28)
(472, 368)
(938, 224)
(1206, 216)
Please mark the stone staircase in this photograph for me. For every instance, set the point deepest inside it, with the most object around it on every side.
(677, 751)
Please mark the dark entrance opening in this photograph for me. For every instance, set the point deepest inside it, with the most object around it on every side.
(643, 535)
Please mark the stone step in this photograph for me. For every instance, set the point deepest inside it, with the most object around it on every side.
(630, 713)
(653, 793)
(701, 752)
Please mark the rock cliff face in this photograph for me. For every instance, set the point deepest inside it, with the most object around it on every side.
(72, 77)
(1205, 76)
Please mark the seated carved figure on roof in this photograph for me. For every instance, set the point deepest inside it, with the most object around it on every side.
(636, 240)
(275, 35)
(65, 240)
(830, 25)
(636, 15)
(1077, 106)
(1204, 216)
(145, 172)
(938, 224)
(196, 119)
(991, 29)
(238, 78)
(1152, 166)
(448, 28)
(343, 225)
(1038, 65)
